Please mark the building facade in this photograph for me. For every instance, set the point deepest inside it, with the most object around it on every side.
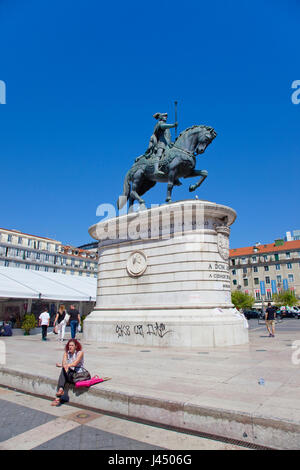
(293, 235)
(262, 270)
(22, 250)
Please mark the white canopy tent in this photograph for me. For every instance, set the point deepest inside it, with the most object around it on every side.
(27, 284)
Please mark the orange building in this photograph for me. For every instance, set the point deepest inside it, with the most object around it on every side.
(262, 270)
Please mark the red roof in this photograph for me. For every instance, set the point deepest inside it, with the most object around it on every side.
(269, 248)
(80, 251)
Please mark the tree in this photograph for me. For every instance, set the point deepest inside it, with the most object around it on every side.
(286, 298)
(242, 300)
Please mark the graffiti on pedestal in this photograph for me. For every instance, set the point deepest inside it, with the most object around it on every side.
(153, 329)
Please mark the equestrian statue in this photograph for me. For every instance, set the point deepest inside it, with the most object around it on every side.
(165, 161)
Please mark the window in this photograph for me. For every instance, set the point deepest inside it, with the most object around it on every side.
(279, 278)
(63, 271)
(80, 273)
(291, 277)
(244, 261)
(38, 256)
(245, 270)
(288, 254)
(289, 265)
(27, 266)
(72, 272)
(277, 267)
(255, 269)
(29, 242)
(37, 267)
(266, 268)
(20, 239)
(257, 295)
(233, 262)
(276, 256)
(6, 263)
(9, 238)
(245, 282)
(234, 272)
(269, 294)
(46, 269)
(254, 259)
(268, 280)
(265, 258)
(256, 281)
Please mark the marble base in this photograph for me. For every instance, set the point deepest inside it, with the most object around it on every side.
(163, 279)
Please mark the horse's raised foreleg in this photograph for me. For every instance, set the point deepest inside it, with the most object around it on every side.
(202, 173)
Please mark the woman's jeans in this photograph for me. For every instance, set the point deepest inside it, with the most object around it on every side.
(65, 377)
(61, 330)
(73, 325)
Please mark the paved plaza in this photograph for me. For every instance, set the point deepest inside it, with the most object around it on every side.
(29, 423)
(248, 393)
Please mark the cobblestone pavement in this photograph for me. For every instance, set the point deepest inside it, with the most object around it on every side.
(28, 422)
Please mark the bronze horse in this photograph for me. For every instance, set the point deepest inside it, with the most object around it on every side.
(179, 160)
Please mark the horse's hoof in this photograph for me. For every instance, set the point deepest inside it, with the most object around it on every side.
(192, 188)
(142, 207)
(168, 199)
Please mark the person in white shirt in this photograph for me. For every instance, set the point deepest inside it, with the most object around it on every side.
(44, 320)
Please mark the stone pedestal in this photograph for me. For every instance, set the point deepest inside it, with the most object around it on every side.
(163, 278)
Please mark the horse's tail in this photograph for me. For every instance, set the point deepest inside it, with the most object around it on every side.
(126, 189)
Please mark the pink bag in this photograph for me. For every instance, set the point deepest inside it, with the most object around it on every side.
(94, 380)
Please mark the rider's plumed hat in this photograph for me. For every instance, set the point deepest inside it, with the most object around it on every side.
(159, 115)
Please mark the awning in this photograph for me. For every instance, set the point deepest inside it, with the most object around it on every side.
(27, 284)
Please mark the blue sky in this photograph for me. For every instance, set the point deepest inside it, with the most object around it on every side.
(84, 79)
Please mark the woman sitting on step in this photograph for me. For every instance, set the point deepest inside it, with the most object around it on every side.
(72, 362)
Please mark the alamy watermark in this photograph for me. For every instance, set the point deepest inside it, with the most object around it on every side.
(158, 222)
(296, 353)
(296, 94)
(2, 353)
(2, 92)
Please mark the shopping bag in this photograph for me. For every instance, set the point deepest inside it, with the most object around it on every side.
(94, 380)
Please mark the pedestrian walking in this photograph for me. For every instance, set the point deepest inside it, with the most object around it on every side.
(74, 320)
(44, 320)
(72, 362)
(270, 317)
(60, 321)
